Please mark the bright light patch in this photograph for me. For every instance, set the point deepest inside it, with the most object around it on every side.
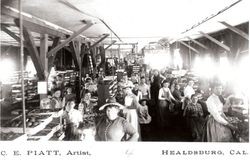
(158, 59)
(225, 71)
(242, 78)
(7, 67)
(30, 68)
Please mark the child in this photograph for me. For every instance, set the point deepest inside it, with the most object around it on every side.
(72, 119)
(194, 115)
(144, 118)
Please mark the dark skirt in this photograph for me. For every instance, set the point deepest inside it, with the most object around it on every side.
(216, 132)
(163, 113)
(71, 133)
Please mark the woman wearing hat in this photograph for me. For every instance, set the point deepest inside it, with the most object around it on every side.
(112, 127)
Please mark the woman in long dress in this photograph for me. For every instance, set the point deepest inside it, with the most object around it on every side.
(131, 106)
(165, 98)
(218, 128)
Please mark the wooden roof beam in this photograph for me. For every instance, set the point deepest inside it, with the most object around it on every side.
(14, 13)
(190, 47)
(74, 35)
(198, 43)
(215, 41)
(42, 25)
(112, 43)
(236, 30)
(42, 29)
(100, 40)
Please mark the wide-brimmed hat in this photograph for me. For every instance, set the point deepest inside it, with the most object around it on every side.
(115, 104)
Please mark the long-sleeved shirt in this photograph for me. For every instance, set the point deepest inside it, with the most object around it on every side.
(215, 108)
(194, 110)
(115, 130)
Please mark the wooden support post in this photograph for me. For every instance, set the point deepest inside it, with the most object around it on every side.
(34, 54)
(119, 54)
(74, 54)
(112, 43)
(100, 40)
(74, 35)
(196, 42)
(44, 59)
(236, 30)
(215, 41)
(43, 52)
(190, 47)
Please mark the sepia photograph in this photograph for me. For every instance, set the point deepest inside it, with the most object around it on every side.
(155, 78)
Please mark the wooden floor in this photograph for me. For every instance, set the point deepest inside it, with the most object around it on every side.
(177, 131)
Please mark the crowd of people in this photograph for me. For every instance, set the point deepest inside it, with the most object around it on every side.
(144, 102)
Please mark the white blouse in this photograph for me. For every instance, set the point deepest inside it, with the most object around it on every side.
(215, 107)
(188, 91)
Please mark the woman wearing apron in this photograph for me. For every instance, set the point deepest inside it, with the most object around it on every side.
(131, 106)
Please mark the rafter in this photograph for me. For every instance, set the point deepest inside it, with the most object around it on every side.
(74, 35)
(198, 43)
(190, 47)
(215, 41)
(236, 30)
(100, 40)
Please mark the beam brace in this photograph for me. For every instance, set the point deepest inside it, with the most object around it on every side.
(196, 42)
(215, 41)
(100, 40)
(234, 29)
(113, 42)
(51, 59)
(74, 35)
(11, 34)
(190, 47)
(34, 53)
